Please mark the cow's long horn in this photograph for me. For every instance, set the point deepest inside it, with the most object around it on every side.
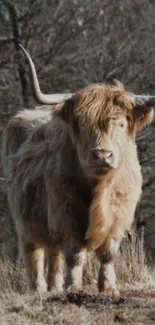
(38, 95)
(148, 100)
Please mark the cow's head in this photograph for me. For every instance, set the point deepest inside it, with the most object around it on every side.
(103, 121)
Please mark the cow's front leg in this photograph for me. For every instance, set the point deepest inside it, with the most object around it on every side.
(75, 259)
(55, 270)
(33, 256)
(106, 254)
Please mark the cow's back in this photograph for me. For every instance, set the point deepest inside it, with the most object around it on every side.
(17, 131)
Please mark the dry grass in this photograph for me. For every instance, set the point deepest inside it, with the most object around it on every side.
(19, 306)
(131, 266)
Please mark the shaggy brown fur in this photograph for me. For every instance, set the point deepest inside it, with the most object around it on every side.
(74, 181)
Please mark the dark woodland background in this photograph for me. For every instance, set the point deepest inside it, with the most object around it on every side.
(74, 43)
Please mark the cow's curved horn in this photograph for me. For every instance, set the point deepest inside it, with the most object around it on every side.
(148, 100)
(38, 95)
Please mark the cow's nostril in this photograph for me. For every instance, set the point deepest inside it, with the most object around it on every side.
(97, 154)
(109, 154)
(108, 157)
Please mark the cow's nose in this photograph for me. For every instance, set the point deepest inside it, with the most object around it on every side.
(102, 155)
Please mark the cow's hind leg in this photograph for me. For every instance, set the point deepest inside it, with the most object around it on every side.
(106, 254)
(55, 270)
(75, 259)
(33, 256)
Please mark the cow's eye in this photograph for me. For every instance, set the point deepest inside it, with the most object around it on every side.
(128, 118)
(76, 126)
(122, 125)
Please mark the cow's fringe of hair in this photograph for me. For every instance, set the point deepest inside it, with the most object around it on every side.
(103, 101)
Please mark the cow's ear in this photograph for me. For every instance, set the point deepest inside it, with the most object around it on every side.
(65, 111)
(143, 116)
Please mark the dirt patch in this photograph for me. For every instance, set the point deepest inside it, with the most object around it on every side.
(90, 301)
(133, 299)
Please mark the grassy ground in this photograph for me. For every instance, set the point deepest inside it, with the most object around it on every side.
(81, 308)
(136, 304)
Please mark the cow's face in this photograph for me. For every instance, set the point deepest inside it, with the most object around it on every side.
(102, 147)
(103, 123)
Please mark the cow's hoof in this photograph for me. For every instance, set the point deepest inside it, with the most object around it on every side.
(55, 290)
(41, 288)
(111, 292)
(74, 288)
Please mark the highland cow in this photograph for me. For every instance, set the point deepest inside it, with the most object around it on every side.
(74, 179)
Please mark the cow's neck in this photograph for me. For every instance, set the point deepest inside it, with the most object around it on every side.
(115, 184)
